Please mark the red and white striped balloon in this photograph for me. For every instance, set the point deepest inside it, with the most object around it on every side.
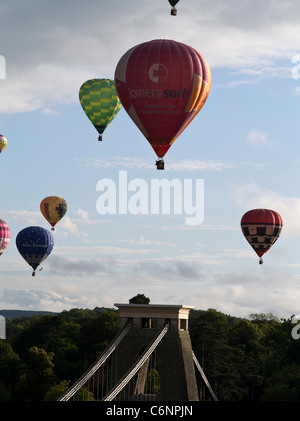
(4, 235)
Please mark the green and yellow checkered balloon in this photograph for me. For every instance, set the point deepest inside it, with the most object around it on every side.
(100, 102)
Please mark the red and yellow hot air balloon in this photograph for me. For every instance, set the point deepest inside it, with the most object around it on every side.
(162, 84)
(53, 209)
(261, 228)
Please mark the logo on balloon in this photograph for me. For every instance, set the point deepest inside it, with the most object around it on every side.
(158, 73)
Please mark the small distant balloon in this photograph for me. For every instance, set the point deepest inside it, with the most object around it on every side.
(261, 228)
(3, 143)
(34, 244)
(53, 208)
(4, 235)
(100, 102)
(173, 4)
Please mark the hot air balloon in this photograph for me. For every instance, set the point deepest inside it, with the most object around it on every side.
(3, 143)
(4, 235)
(261, 227)
(53, 209)
(162, 85)
(100, 102)
(34, 244)
(173, 4)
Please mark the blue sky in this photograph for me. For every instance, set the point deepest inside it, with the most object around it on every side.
(244, 144)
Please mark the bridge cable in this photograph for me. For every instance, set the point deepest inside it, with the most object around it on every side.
(95, 366)
(204, 378)
(128, 376)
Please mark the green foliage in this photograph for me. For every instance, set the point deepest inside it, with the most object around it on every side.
(55, 347)
(139, 299)
(54, 392)
(255, 359)
(37, 375)
(152, 381)
(283, 384)
(9, 369)
(97, 333)
(247, 359)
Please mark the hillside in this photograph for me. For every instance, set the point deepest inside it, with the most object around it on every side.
(12, 314)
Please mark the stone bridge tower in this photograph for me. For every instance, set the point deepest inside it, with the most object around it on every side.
(174, 353)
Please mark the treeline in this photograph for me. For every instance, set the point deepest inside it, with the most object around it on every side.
(248, 360)
(12, 314)
(43, 355)
(244, 359)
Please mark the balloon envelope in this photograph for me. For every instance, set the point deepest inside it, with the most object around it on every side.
(261, 228)
(3, 143)
(100, 102)
(162, 84)
(53, 209)
(4, 235)
(34, 244)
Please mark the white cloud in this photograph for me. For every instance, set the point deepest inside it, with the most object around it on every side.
(257, 138)
(64, 45)
(68, 225)
(28, 217)
(82, 213)
(43, 300)
(237, 294)
(42, 87)
(253, 196)
(49, 111)
(134, 162)
(36, 218)
(142, 242)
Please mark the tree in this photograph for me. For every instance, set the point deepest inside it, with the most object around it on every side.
(209, 336)
(56, 391)
(38, 375)
(9, 365)
(256, 359)
(139, 299)
(96, 334)
(248, 337)
(263, 317)
(283, 385)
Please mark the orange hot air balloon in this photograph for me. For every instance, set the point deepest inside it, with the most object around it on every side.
(261, 228)
(53, 209)
(162, 84)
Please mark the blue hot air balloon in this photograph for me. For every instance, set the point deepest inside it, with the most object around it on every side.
(34, 244)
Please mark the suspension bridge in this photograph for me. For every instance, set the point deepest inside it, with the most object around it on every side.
(150, 359)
